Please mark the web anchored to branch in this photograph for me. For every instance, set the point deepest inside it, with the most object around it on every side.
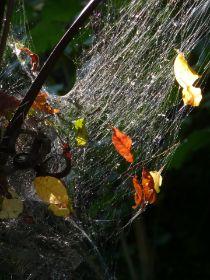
(126, 81)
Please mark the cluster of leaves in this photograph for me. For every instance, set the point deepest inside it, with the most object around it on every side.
(50, 189)
(146, 191)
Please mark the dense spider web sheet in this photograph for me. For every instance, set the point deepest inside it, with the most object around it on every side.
(125, 80)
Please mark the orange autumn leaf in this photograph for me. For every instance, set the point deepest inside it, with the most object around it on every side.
(148, 187)
(42, 105)
(122, 143)
(34, 58)
(145, 191)
(138, 193)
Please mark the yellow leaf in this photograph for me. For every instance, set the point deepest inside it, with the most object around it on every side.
(192, 96)
(51, 190)
(186, 77)
(11, 208)
(57, 211)
(81, 132)
(157, 180)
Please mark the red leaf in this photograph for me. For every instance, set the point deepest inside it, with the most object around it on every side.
(148, 187)
(67, 151)
(42, 105)
(34, 58)
(145, 192)
(8, 103)
(122, 143)
(138, 193)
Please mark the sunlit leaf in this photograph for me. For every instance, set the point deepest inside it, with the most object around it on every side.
(148, 187)
(138, 193)
(58, 211)
(157, 180)
(192, 96)
(11, 208)
(81, 132)
(186, 77)
(42, 105)
(52, 191)
(146, 191)
(122, 143)
(34, 57)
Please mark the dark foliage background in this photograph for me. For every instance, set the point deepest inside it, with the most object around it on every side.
(170, 240)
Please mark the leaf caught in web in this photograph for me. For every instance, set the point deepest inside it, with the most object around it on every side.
(42, 105)
(8, 103)
(81, 132)
(51, 190)
(146, 191)
(59, 211)
(11, 208)
(186, 77)
(157, 180)
(34, 57)
(67, 151)
(122, 143)
(138, 193)
(148, 187)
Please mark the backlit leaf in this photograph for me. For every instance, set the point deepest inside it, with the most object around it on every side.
(51, 190)
(157, 180)
(11, 208)
(138, 193)
(122, 143)
(58, 211)
(186, 77)
(148, 187)
(146, 191)
(81, 132)
(34, 57)
(42, 105)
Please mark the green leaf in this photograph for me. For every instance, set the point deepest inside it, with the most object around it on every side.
(81, 132)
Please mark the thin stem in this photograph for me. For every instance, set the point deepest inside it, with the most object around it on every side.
(6, 26)
(15, 124)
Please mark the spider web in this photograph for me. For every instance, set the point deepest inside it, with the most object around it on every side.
(126, 81)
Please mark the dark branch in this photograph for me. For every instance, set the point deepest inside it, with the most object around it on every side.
(6, 26)
(14, 126)
(2, 12)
